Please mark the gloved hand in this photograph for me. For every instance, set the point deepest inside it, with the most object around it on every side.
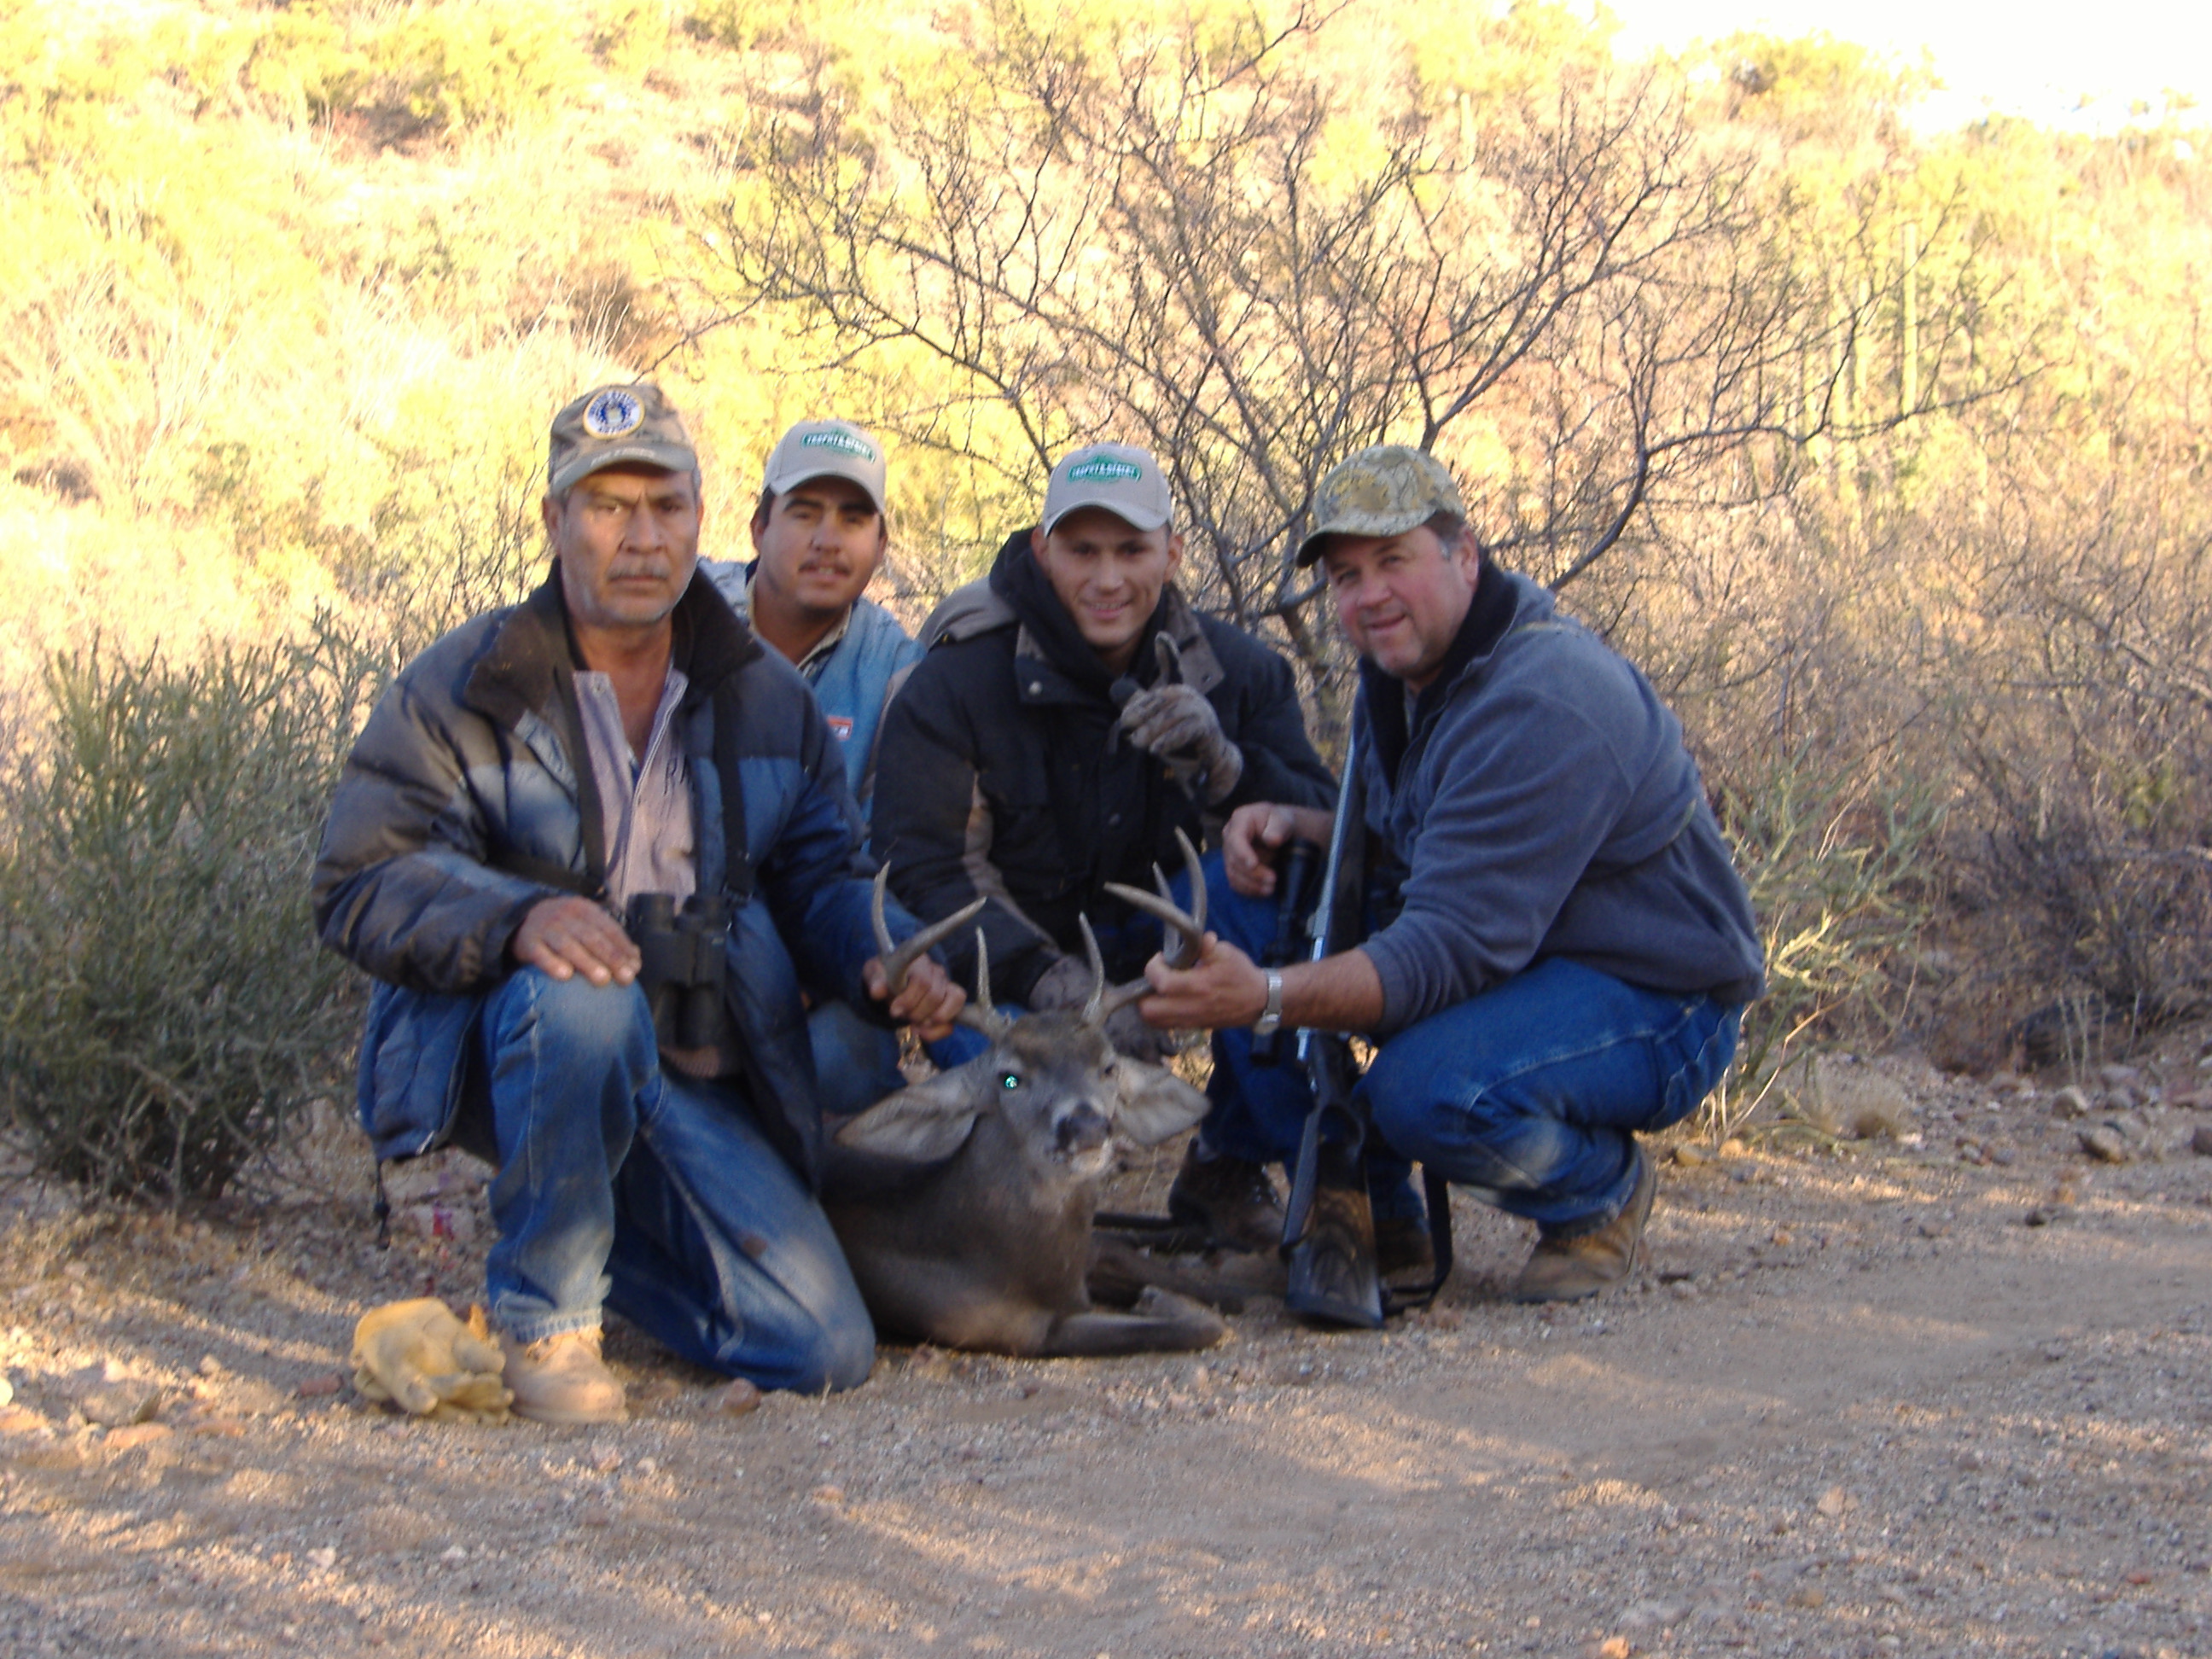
(417, 1356)
(1178, 726)
(1068, 984)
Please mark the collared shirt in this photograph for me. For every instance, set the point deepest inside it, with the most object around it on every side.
(646, 803)
(813, 662)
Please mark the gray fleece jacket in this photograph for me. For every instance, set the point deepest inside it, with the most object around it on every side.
(1542, 802)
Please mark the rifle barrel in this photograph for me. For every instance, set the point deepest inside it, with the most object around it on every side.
(1324, 935)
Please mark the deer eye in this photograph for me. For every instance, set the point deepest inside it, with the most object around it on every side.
(1008, 1081)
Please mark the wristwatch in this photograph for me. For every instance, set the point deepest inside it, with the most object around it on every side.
(1272, 1020)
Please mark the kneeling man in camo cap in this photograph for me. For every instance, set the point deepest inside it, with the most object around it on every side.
(1559, 959)
(598, 848)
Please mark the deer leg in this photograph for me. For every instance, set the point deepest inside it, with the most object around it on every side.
(1162, 1322)
(1120, 1271)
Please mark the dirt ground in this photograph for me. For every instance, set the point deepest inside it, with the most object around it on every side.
(1942, 1392)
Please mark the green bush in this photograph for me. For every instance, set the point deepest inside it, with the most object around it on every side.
(163, 1003)
(1841, 878)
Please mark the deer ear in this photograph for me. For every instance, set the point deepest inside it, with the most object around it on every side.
(918, 1124)
(1155, 1103)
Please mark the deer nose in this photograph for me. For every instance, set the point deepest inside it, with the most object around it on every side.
(1083, 1130)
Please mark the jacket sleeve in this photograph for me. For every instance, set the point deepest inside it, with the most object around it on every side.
(401, 886)
(1526, 797)
(931, 823)
(1269, 729)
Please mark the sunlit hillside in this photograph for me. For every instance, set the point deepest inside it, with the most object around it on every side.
(1884, 453)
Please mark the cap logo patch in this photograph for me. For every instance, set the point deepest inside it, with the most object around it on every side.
(614, 413)
(844, 443)
(1103, 469)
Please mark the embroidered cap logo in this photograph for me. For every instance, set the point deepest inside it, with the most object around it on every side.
(844, 443)
(1103, 469)
(613, 413)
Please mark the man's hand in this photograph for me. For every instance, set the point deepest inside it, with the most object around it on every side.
(1255, 833)
(1223, 988)
(929, 1000)
(1177, 723)
(567, 936)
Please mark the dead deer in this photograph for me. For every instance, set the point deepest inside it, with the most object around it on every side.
(964, 1202)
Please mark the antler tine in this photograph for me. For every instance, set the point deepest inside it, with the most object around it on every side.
(981, 1014)
(1170, 660)
(1094, 1008)
(896, 959)
(1187, 927)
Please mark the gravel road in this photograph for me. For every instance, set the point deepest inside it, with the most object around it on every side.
(1946, 1393)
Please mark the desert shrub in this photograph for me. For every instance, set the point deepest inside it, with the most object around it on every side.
(164, 1006)
(1841, 872)
(442, 68)
(631, 36)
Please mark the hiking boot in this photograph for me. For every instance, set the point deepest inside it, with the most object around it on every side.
(1403, 1247)
(1570, 1267)
(562, 1379)
(1232, 1200)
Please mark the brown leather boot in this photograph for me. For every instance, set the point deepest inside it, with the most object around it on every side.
(1233, 1200)
(1567, 1269)
(562, 1379)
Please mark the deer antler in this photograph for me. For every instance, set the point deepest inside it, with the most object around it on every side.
(1186, 929)
(979, 1012)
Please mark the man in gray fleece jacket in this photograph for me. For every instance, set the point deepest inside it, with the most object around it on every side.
(1561, 949)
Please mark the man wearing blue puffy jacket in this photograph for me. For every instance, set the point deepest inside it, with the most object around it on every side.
(820, 530)
(620, 736)
(1560, 949)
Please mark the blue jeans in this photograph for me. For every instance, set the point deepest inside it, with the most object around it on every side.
(1530, 1094)
(649, 1193)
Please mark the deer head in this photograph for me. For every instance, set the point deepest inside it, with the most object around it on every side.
(1052, 1078)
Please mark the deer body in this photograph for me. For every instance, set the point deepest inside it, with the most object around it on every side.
(984, 1241)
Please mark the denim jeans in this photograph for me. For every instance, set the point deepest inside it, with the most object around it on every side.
(648, 1193)
(1531, 1094)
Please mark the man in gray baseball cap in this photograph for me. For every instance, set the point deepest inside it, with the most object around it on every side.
(1570, 949)
(820, 529)
(1072, 713)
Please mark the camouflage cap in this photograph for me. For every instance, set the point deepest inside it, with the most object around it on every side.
(827, 449)
(612, 425)
(1122, 478)
(1384, 490)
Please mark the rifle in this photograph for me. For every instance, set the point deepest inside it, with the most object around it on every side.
(1328, 1225)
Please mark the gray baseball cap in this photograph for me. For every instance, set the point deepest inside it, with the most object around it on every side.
(1123, 479)
(1384, 490)
(827, 449)
(614, 424)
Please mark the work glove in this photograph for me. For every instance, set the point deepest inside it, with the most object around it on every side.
(418, 1357)
(1177, 726)
(1068, 984)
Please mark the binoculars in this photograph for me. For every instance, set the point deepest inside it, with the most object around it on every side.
(684, 967)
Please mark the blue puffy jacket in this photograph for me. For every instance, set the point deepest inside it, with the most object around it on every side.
(463, 805)
(852, 681)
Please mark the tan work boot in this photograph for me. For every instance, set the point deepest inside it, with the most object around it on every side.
(1233, 1200)
(562, 1379)
(1570, 1268)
